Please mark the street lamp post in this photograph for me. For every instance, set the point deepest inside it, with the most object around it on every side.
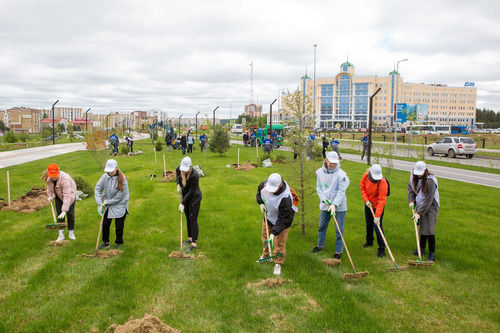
(196, 124)
(370, 112)
(180, 124)
(271, 116)
(314, 79)
(86, 128)
(107, 123)
(53, 126)
(395, 107)
(214, 116)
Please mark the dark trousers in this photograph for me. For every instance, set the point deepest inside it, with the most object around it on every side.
(432, 242)
(190, 148)
(131, 147)
(323, 152)
(365, 148)
(192, 220)
(119, 225)
(370, 225)
(70, 214)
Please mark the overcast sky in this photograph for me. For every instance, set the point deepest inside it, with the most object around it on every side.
(186, 56)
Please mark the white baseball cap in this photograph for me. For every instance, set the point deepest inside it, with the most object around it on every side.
(376, 171)
(185, 164)
(420, 168)
(111, 165)
(332, 157)
(273, 182)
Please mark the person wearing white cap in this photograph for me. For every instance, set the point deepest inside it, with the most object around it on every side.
(188, 186)
(374, 189)
(112, 197)
(276, 201)
(423, 195)
(331, 185)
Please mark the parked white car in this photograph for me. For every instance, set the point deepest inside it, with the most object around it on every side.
(453, 146)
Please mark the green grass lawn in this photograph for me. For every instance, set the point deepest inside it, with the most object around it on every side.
(55, 289)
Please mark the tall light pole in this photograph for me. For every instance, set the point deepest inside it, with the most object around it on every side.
(214, 116)
(314, 79)
(370, 112)
(196, 124)
(86, 128)
(395, 106)
(271, 117)
(180, 124)
(107, 124)
(230, 110)
(53, 128)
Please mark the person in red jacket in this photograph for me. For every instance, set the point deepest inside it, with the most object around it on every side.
(374, 192)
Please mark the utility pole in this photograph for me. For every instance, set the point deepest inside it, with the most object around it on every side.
(214, 116)
(368, 155)
(53, 128)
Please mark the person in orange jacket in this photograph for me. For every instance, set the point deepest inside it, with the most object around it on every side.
(374, 192)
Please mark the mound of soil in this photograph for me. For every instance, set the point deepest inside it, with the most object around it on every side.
(105, 254)
(2, 204)
(32, 201)
(245, 166)
(148, 324)
(61, 243)
(169, 176)
(331, 262)
(276, 282)
(177, 254)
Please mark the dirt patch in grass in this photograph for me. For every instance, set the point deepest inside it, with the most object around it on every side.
(331, 262)
(148, 324)
(105, 254)
(178, 255)
(32, 201)
(271, 282)
(168, 177)
(245, 166)
(61, 243)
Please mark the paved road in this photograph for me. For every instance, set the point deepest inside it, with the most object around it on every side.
(474, 177)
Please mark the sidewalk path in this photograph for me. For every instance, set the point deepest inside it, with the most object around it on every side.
(20, 156)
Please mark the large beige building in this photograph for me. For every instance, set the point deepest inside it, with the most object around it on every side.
(344, 100)
(68, 113)
(23, 120)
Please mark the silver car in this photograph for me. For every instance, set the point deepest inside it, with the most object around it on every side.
(453, 146)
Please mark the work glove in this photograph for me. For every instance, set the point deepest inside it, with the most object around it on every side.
(331, 209)
(50, 199)
(412, 205)
(376, 220)
(62, 215)
(181, 208)
(271, 241)
(179, 190)
(416, 217)
(263, 208)
(368, 204)
(102, 207)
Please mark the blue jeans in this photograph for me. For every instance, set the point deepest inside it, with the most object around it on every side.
(324, 219)
(183, 150)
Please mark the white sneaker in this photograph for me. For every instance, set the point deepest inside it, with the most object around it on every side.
(72, 235)
(60, 238)
(277, 269)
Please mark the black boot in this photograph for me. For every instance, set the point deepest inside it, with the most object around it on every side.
(367, 244)
(422, 252)
(430, 257)
(381, 253)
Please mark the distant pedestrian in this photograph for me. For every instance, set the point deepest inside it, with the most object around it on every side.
(190, 143)
(114, 142)
(374, 192)
(335, 147)
(325, 144)
(62, 188)
(203, 142)
(245, 139)
(112, 196)
(423, 196)
(168, 140)
(183, 143)
(253, 138)
(364, 140)
(130, 143)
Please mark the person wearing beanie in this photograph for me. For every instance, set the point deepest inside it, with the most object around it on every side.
(189, 188)
(62, 188)
(276, 201)
(112, 197)
(331, 186)
(374, 189)
(423, 196)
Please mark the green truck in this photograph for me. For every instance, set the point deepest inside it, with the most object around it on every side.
(263, 132)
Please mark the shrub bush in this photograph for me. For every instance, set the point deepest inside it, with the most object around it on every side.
(159, 146)
(83, 185)
(10, 137)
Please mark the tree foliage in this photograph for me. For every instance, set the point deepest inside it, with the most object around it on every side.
(490, 118)
(220, 142)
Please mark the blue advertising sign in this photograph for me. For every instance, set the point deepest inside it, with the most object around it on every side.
(469, 84)
(401, 110)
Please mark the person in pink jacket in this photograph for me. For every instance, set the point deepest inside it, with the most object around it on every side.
(62, 188)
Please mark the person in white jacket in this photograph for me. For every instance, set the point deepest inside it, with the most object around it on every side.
(62, 188)
(111, 195)
(331, 185)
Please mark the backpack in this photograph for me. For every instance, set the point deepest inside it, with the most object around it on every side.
(295, 197)
(388, 187)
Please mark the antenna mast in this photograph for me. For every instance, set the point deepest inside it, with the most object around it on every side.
(251, 83)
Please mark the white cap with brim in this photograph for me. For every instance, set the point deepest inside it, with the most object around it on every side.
(185, 164)
(273, 182)
(111, 165)
(376, 171)
(420, 168)
(332, 157)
